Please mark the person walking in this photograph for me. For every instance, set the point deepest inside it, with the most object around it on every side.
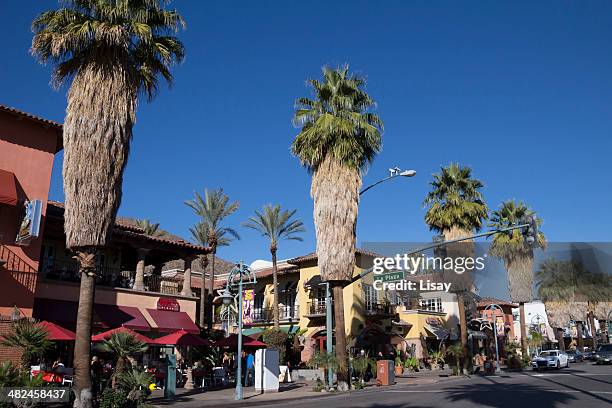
(250, 370)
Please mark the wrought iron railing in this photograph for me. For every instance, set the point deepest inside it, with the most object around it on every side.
(316, 307)
(19, 269)
(379, 309)
(68, 271)
(285, 313)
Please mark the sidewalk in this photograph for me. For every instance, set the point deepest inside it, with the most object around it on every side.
(299, 390)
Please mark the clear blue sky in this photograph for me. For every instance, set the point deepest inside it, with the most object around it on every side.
(520, 91)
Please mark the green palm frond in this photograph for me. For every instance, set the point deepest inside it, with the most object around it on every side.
(512, 244)
(137, 35)
(123, 345)
(338, 121)
(276, 224)
(455, 200)
(150, 228)
(213, 208)
(30, 338)
(201, 234)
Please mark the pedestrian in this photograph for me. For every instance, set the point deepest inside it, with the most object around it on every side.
(250, 370)
(96, 374)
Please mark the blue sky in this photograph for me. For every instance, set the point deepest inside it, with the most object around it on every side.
(519, 91)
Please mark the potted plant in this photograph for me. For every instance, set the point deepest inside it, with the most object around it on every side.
(399, 366)
(412, 363)
(437, 360)
(457, 353)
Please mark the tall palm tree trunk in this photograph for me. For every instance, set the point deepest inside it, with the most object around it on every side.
(211, 291)
(559, 337)
(335, 191)
(203, 306)
(591, 317)
(579, 340)
(524, 342)
(340, 334)
(275, 281)
(82, 347)
(464, 333)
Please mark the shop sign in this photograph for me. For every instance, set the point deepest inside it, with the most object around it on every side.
(30, 222)
(168, 304)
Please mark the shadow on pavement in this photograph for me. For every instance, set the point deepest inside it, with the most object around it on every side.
(547, 379)
(496, 395)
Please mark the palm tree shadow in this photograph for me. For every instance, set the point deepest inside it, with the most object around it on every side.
(495, 395)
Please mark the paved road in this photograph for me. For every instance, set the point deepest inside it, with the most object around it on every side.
(582, 385)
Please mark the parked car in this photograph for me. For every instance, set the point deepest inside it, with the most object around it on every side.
(574, 356)
(550, 359)
(603, 355)
(589, 355)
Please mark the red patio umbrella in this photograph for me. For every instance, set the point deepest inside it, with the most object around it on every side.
(57, 333)
(232, 341)
(182, 338)
(105, 335)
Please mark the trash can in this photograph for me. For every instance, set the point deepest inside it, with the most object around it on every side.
(384, 372)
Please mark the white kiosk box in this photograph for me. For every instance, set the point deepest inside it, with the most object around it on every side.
(266, 370)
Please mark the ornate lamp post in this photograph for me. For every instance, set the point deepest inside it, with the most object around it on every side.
(239, 276)
(493, 307)
(536, 321)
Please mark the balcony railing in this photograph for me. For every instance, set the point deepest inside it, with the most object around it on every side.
(20, 270)
(379, 309)
(67, 271)
(264, 315)
(316, 308)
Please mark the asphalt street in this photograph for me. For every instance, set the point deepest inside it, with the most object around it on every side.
(582, 385)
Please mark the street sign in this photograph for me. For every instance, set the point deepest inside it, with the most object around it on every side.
(390, 277)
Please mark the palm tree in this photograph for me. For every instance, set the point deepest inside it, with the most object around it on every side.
(570, 292)
(213, 208)
(150, 228)
(275, 225)
(31, 340)
(122, 345)
(109, 52)
(517, 255)
(456, 209)
(339, 137)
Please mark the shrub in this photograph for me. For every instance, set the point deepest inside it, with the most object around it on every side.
(276, 340)
(115, 399)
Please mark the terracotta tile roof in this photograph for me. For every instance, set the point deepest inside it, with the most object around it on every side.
(313, 255)
(127, 227)
(485, 301)
(34, 118)
(282, 268)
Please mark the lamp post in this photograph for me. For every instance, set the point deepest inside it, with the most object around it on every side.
(239, 276)
(394, 172)
(493, 307)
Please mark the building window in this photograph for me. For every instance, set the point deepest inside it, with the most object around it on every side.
(369, 297)
(431, 305)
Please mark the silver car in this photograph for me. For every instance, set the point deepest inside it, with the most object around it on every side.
(550, 359)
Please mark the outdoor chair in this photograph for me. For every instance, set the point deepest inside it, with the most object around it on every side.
(68, 377)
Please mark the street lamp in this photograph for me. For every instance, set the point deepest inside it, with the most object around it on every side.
(393, 173)
(493, 307)
(239, 276)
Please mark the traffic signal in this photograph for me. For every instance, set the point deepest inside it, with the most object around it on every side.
(530, 232)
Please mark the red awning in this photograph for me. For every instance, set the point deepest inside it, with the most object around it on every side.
(182, 338)
(105, 335)
(8, 188)
(56, 332)
(168, 321)
(105, 317)
(112, 316)
(232, 342)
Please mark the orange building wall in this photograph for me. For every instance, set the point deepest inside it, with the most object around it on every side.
(27, 149)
